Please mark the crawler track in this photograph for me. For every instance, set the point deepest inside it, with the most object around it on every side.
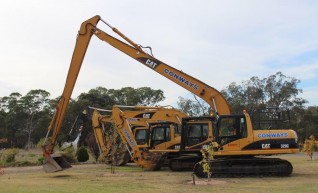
(184, 163)
(235, 167)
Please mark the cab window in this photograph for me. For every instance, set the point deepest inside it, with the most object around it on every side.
(158, 133)
(231, 129)
(197, 133)
(141, 136)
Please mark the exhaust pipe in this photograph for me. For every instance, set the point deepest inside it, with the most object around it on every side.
(55, 163)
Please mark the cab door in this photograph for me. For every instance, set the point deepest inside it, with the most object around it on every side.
(231, 131)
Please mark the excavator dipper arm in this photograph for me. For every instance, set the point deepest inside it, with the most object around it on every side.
(82, 43)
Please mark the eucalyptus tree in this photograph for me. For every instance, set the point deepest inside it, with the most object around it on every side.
(34, 105)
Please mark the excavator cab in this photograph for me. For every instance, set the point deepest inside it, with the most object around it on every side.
(141, 135)
(230, 128)
(196, 132)
(160, 133)
(155, 134)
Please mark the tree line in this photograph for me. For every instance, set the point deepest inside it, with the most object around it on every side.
(24, 119)
(275, 97)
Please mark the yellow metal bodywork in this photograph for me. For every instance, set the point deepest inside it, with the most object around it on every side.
(123, 120)
(237, 147)
(99, 134)
(213, 97)
(88, 28)
(77, 59)
(82, 42)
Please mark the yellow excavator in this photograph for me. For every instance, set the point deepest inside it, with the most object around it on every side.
(153, 132)
(106, 137)
(151, 128)
(237, 153)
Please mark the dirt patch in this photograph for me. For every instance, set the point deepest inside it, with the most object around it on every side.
(39, 169)
(28, 169)
(110, 175)
(1, 171)
(206, 182)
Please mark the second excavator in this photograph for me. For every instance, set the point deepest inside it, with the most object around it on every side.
(151, 128)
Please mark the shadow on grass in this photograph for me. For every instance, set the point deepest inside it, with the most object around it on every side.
(62, 176)
(306, 175)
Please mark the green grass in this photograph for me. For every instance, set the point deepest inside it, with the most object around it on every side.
(98, 178)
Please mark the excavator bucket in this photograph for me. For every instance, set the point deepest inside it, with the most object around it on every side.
(54, 163)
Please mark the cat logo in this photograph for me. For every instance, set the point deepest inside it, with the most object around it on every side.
(151, 63)
(266, 146)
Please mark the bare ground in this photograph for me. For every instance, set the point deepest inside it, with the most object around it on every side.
(99, 178)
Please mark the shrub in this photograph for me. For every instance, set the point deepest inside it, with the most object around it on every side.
(10, 154)
(40, 161)
(22, 163)
(69, 154)
(82, 154)
(40, 142)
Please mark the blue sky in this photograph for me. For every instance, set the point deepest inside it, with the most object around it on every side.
(218, 42)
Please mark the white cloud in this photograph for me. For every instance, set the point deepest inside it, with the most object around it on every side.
(310, 93)
(304, 72)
